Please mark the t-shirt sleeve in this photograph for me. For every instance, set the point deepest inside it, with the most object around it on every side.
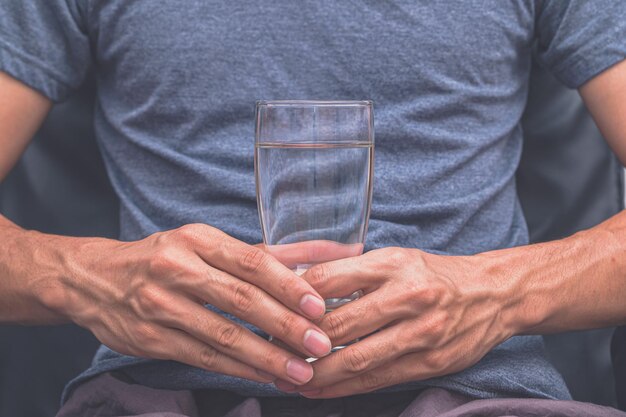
(578, 39)
(44, 44)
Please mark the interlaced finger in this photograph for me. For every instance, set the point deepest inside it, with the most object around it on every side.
(257, 267)
(241, 344)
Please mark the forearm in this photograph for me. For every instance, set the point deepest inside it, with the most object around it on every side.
(35, 270)
(570, 284)
(26, 273)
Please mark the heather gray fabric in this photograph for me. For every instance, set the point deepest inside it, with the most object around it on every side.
(174, 120)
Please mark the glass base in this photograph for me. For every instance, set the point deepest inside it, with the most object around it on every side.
(331, 303)
(334, 303)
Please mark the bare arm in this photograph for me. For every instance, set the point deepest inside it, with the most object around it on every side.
(146, 298)
(580, 282)
(22, 111)
(605, 97)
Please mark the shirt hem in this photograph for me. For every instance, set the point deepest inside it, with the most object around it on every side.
(25, 69)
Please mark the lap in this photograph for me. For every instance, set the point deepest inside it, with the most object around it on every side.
(112, 395)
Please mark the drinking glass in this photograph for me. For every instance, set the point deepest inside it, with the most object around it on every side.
(313, 166)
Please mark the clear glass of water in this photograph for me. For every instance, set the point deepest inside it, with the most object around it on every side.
(313, 166)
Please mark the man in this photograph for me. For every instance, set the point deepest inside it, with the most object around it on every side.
(449, 80)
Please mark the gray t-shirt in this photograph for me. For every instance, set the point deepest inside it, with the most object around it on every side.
(174, 119)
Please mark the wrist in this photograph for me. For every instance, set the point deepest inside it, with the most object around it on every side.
(28, 278)
(503, 272)
(75, 281)
(541, 282)
(63, 273)
(47, 255)
(485, 289)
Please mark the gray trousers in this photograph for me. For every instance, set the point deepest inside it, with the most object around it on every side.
(108, 395)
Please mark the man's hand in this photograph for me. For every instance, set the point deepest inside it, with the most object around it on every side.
(146, 298)
(426, 315)
(438, 314)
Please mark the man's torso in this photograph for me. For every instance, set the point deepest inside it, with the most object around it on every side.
(178, 83)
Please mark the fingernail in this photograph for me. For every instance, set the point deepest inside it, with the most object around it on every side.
(312, 306)
(284, 386)
(299, 371)
(316, 343)
(265, 375)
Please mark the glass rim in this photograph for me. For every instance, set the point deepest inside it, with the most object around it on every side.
(314, 103)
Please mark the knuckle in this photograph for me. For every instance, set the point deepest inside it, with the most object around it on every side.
(151, 300)
(286, 284)
(189, 231)
(194, 233)
(164, 259)
(186, 230)
(397, 257)
(318, 275)
(229, 336)
(274, 361)
(244, 298)
(429, 295)
(253, 260)
(287, 323)
(334, 325)
(372, 380)
(355, 360)
(209, 358)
